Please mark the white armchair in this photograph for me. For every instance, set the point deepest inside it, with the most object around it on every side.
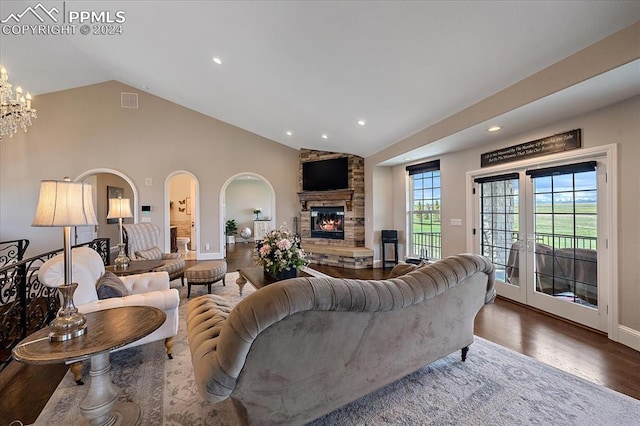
(150, 289)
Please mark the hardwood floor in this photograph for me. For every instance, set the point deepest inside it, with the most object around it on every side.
(25, 389)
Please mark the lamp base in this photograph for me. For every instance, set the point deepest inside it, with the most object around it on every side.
(122, 261)
(69, 323)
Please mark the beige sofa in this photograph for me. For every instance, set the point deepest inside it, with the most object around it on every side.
(298, 349)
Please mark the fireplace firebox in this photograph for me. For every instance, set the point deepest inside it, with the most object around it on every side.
(327, 222)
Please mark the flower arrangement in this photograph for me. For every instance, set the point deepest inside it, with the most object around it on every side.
(280, 251)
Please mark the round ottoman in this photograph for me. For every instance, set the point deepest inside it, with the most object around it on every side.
(182, 242)
(207, 272)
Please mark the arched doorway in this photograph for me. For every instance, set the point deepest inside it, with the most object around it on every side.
(106, 183)
(240, 196)
(182, 207)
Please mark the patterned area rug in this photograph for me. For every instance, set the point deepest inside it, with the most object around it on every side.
(494, 386)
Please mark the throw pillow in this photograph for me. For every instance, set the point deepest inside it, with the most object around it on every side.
(109, 285)
(401, 269)
(150, 254)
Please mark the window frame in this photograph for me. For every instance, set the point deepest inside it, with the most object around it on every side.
(431, 246)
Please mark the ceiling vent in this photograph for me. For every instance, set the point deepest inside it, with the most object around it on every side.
(129, 100)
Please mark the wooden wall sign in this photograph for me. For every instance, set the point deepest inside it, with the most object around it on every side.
(550, 145)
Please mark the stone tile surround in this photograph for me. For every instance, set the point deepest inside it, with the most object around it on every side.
(329, 251)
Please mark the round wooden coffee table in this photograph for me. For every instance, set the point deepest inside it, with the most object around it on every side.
(106, 330)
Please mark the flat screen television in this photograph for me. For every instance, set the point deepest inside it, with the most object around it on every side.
(325, 175)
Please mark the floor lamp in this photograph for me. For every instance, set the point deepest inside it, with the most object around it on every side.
(120, 208)
(66, 204)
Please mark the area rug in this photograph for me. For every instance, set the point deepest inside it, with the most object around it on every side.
(494, 386)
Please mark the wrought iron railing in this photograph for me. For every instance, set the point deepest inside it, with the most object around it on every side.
(26, 305)
(12, 251)
(567, 241)
(427, 245)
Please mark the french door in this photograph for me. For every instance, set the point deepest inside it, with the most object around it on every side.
(546, 231)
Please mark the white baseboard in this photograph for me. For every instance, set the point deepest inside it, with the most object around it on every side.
(210, 256)
(629, 337)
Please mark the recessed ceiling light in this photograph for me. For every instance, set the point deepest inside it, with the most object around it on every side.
(494, 128)
(361, 122)
(324, 136)
(217, 60)
(289, 133)
(407, 159)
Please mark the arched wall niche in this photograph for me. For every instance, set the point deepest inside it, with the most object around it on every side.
(103, 180)
(240, 195)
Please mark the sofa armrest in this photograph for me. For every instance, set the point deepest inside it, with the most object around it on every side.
(206, 315)
(164, 300)
(144, 283)
(170, 256)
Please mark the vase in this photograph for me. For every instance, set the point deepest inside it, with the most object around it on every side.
(122, 261)
(284, 274)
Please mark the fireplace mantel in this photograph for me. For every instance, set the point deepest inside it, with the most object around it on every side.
(336, 194)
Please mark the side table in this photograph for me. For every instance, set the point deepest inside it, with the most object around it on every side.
(136, 267)
(106, 330)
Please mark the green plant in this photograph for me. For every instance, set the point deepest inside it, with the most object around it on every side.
(230, 227)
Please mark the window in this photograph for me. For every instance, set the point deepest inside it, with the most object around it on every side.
(424, 212)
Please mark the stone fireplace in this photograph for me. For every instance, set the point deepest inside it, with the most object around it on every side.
(338, 244)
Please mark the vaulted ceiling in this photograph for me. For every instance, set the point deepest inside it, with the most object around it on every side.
(315, 68)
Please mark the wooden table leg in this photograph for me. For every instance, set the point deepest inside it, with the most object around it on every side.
(241, 281)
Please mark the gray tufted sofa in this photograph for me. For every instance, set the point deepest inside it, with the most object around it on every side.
(301, 348)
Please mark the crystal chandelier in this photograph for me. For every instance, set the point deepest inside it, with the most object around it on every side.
(15, 111)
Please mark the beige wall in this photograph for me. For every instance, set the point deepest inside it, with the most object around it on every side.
(619, 124)
(84, 129)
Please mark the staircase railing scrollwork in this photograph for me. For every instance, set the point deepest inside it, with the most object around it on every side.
(26, 305)
(12, 251)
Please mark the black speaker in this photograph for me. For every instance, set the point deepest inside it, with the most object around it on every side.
(389, 235)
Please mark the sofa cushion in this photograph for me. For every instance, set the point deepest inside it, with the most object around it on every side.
(86, 268)
(401, 269)
(151, 254)
(109, 285)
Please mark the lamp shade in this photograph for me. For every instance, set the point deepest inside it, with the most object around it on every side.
(119, 208)
(65, 203)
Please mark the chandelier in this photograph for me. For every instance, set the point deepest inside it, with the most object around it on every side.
(15, 111)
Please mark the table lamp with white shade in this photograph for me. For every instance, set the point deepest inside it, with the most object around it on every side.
(120, 208)
(66, 204)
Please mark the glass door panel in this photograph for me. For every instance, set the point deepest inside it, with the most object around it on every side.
(540, 230)
(499, 230)
(565, 229)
